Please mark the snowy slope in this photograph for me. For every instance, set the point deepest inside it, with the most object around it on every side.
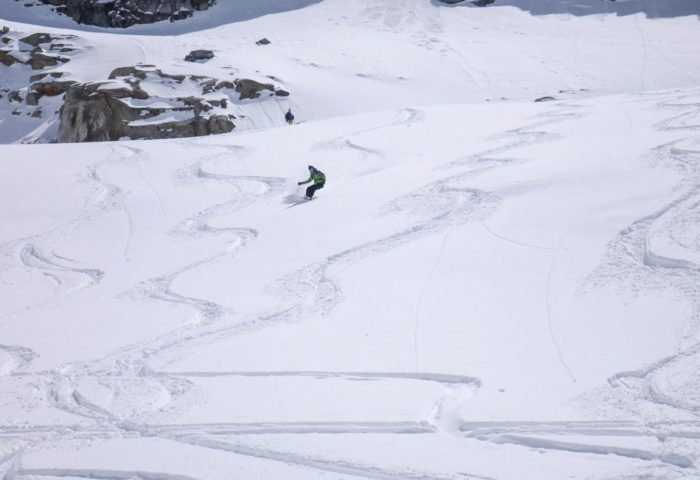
(483, 290)
(343, 58)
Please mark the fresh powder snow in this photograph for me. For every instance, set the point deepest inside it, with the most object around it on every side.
(487, 287)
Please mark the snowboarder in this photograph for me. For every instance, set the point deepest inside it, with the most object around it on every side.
(289, 117)
(319, 179)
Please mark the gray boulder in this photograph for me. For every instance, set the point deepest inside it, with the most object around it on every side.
(126, 72)
(32, 99)
(39, 60)
(14, 96)
(249, 89)
(41, 76)
(37, 39)
(196, 55)
(51, 88)
(7, 59)
(478, 3)
(91, 115)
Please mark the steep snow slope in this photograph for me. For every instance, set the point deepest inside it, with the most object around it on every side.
(501, 290)
(449, 293)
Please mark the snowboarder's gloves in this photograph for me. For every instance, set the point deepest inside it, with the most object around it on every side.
(298, 183)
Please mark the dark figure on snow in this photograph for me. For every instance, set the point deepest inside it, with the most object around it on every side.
(319, 179)
(289, 117)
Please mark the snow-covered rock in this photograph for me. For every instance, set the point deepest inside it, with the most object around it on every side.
(31, 81)
(125, 13)
(123, 107)
(144, 102)
(196, 55)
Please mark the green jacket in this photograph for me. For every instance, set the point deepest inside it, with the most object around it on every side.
(317, 177)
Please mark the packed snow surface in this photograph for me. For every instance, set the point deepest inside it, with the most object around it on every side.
(487, 287)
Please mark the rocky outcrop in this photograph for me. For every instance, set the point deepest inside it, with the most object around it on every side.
(125, 13)
(37, 39)
(38, 90)
(133, 104)
(197, 55)
(136, 102)
(38, 58)
(478, 3)
(124, 109)
(252, 89)
(90, 114)
(27, 53)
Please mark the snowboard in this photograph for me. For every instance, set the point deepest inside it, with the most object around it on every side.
(299, 201)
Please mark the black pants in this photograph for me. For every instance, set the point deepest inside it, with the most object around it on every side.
(311, 189)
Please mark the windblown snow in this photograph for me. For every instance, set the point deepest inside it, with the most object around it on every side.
(487, 287)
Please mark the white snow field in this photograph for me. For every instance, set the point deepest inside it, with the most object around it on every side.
(486, 288)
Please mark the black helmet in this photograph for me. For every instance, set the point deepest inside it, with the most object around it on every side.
(311, 168)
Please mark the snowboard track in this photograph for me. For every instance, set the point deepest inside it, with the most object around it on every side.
(435, 209)
(635, 265)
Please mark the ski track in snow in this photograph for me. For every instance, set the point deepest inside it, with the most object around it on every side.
(633, 262)
(15, 358)
(668, 383)
(419, 301)
(99, 474)
(516, 138)
(406, 116)
(37, 253)
(65, 391)
(433, 210)
(557, 436)
(306, 461)
(667, 388)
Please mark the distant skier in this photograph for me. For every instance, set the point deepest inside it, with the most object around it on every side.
(289, 117)
(319, 179)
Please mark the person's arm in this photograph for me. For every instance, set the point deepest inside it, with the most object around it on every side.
(307, 181)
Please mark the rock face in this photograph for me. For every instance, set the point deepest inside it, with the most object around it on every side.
(123, 108)
(92, 115)
(125, 13)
